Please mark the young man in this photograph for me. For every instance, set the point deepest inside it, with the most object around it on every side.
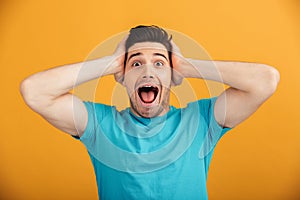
(150, 150)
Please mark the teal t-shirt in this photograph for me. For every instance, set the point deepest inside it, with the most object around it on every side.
(165, 157)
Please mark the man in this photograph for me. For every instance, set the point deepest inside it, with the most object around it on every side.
(150, 150)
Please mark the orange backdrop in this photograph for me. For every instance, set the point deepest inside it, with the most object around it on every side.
(259, 159)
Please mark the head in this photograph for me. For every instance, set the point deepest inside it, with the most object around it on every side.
(148, 70)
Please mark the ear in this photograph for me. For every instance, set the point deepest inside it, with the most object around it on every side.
(119, 77)
(176, 78)
(172, 79)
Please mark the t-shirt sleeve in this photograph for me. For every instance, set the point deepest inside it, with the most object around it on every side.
(214, 130)
(208, 106)
(96, 112)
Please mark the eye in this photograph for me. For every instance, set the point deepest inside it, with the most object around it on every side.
(136, 64)
(159, 64)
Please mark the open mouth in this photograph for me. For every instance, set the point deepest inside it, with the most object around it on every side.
(148, 94)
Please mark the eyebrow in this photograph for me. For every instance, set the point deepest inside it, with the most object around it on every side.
(159, 54)
(139, 53)
(132, 55)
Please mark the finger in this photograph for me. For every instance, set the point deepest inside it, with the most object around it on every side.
(120, 50)
(175, 47)
(123, 41)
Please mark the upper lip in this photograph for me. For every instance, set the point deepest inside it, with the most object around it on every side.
(147, 84)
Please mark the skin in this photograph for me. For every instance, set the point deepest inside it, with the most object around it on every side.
(148, 64)
(251, 84)
(48, 92)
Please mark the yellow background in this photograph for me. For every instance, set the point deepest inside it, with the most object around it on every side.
(259, 159)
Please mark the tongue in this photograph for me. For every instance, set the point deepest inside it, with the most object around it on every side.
(148, 97)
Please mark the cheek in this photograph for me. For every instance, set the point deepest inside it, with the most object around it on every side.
(129, 82)
(165, 77)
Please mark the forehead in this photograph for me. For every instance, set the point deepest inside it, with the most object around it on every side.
(145, 47)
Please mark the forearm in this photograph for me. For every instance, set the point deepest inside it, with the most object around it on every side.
(248, 77)
(58, 81)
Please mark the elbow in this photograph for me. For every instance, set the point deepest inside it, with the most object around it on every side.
(26, 89)
(29, 90)
(269, 81)
(272, 79)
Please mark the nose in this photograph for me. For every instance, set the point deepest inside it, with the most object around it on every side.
(148, 71)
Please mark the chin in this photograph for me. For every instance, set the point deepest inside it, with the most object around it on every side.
(154, 112)
(149, 110)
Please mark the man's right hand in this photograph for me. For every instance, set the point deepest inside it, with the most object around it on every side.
(117, 66)
(48, 92)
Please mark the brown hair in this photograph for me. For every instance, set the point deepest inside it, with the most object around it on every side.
(151, 33)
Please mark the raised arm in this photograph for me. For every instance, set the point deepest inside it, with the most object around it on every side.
(251, 84)
(48, 92)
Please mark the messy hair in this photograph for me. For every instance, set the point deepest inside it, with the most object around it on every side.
(151, 33)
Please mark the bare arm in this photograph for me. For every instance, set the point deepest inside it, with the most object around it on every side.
(251, 84)
(47, 92)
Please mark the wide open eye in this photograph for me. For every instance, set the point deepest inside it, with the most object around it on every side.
(159, 63)
(136, 64)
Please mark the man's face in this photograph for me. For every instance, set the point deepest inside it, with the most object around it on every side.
(148, 79)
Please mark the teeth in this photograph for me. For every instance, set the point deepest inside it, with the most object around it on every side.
(146, 86)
